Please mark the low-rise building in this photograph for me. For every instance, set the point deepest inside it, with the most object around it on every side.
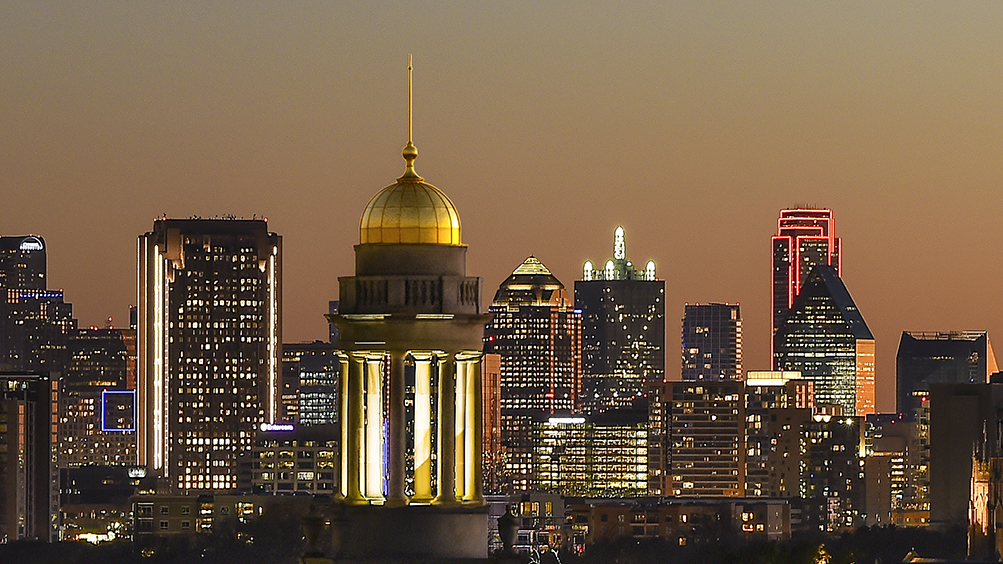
(289, 458)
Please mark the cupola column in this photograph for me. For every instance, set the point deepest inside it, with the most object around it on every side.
(352, 451)
(423, 365)
(473, 494)
(446, 444)
(396, 430)
(374, 426)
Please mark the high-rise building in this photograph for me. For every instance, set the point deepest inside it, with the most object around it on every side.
(209, 334)
(22, 262)
(833, 449)
(942, 357)
(536, 332)
(805, 238)
(493, 456)
(34, 325)
(765, 393)
(97, 400)
(623, 332)
(601, 457)
(34, 322)
(703, 442)
(29, 478)
(310, 374)
(825, 338)
(712, 342)
(896, 469)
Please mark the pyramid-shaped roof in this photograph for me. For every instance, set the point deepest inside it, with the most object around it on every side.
(824, 280)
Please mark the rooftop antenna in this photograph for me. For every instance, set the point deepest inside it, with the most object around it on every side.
(409, 98)
(410, 153)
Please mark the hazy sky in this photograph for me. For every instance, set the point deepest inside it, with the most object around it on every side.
(547, 123)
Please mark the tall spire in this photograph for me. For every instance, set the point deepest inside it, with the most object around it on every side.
(410, 153)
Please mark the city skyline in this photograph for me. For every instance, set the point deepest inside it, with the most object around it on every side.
(668, 120)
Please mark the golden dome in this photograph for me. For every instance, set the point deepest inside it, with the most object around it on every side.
(410, 211)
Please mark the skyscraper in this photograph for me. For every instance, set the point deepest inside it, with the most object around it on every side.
(804, 239)
(703, 446)
(34, 321)
(209, 333)
(623, 332)
(537, 333)
(22, 262)
(942, 357)
(765, 394)
(825, 337)
(712, 342)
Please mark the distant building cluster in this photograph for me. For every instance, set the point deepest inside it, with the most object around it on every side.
(554, 405)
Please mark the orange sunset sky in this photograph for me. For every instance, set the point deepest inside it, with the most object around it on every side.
(547, 123)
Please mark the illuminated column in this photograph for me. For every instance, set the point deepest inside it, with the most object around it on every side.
(374, 426)
(475, 419)
(343, 453)
(459, 424)
(446, 444)
(353, 449)
(395, 430)
(422, 427)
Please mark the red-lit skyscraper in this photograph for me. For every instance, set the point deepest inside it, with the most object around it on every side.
(804, 239)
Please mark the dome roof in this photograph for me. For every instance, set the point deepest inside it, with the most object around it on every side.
(410, 211)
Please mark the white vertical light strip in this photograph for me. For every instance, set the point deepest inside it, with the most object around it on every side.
(343, 422)
(158, 358)
(142, 354)
(272, 344)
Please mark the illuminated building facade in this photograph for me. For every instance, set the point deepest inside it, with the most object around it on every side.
(492, 443)
(765, 393)
(22, 262)
(310, 383)
(896, 470)
(825, 338)
(785, 459)
(411, 333)
(834, 458)
(94, 500)
(411, 303)
(942, 357)
(29, 492)
(34, 322)
(591, 458)
(623, 332)
(702, 450)
(209, 330)
(805, 238)
(289, 458)
(536, 332)
(712, 342)
(97, 401)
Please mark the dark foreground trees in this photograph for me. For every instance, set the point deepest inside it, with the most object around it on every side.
(277, 539)
(866, 545)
